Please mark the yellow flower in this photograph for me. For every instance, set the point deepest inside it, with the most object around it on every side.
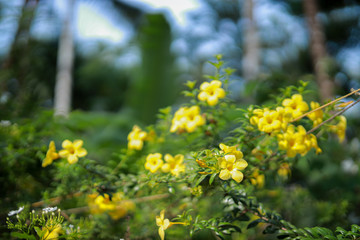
(136, 138)
(187, 119)
(231, 164)
(72, 150)
(93, 205)
(211, 92)
(153, 162)
(117, 207)
(271, 120)
(52, 232)
(284, 170)
(51, 155)
(173, 164)
(340, 128)
(257, 114)
(317, 116)
(295, 140)
(295, 105)
(163, 223)
(257, 179)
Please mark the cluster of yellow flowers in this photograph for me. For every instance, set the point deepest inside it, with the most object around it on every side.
(211, 92)
(295, 140)
(188, 119)
(290, 138)
(117, 207)
(257, 179)
(340, 128)
(174, 165)
(136, 138)
(71, 151)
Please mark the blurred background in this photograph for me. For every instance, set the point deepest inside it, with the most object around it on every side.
(110, 64)
(133, 56)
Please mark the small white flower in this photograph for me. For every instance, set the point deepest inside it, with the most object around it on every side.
(49, 209)
(15, 211)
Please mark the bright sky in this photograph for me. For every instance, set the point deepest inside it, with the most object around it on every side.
(92, 23)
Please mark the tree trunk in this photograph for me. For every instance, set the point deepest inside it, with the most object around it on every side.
(16, 58)
(318, 51)
(63, 86)
(251, 59)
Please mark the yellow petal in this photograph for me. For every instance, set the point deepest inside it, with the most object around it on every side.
(66, 144)
(241, 164)
(168, 158)
(224, 174)
(212, 100)
(81, 152)
(166, 223)
(165, 168)
(78, 143)
(202, 96)
(237, 175)
(72, 159)
(161, 233)
(220, 93)
(159, 221)
(215, 83)
(204, 86)
(230, 158)
(46, 162)
(64, 153)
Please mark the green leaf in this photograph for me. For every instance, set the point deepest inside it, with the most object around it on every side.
(200, 180)
(270, 229)
(255, 223)
(243, 218)
(22, 236)
(212, 178)
(341, 231)
(39, 232)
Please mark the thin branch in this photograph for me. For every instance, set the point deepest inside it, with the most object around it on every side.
(325, 105)
(334, 116)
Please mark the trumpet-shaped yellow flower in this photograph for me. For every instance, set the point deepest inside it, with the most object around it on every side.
(340, 128)
(284, 170)
(271, 120)
(211, 92)
(51, 232)
(163, 224)
(174, 165)
(72, 150)
(51, 155)
(295, 105)
(317, 116)
(187, 119)
(257, 179)
(117, 207)
(136, 138)
(231, 163)
(153, 162)
(295, 140)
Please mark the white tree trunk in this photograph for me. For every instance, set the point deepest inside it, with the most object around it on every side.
(251, 59)
(63, 85)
